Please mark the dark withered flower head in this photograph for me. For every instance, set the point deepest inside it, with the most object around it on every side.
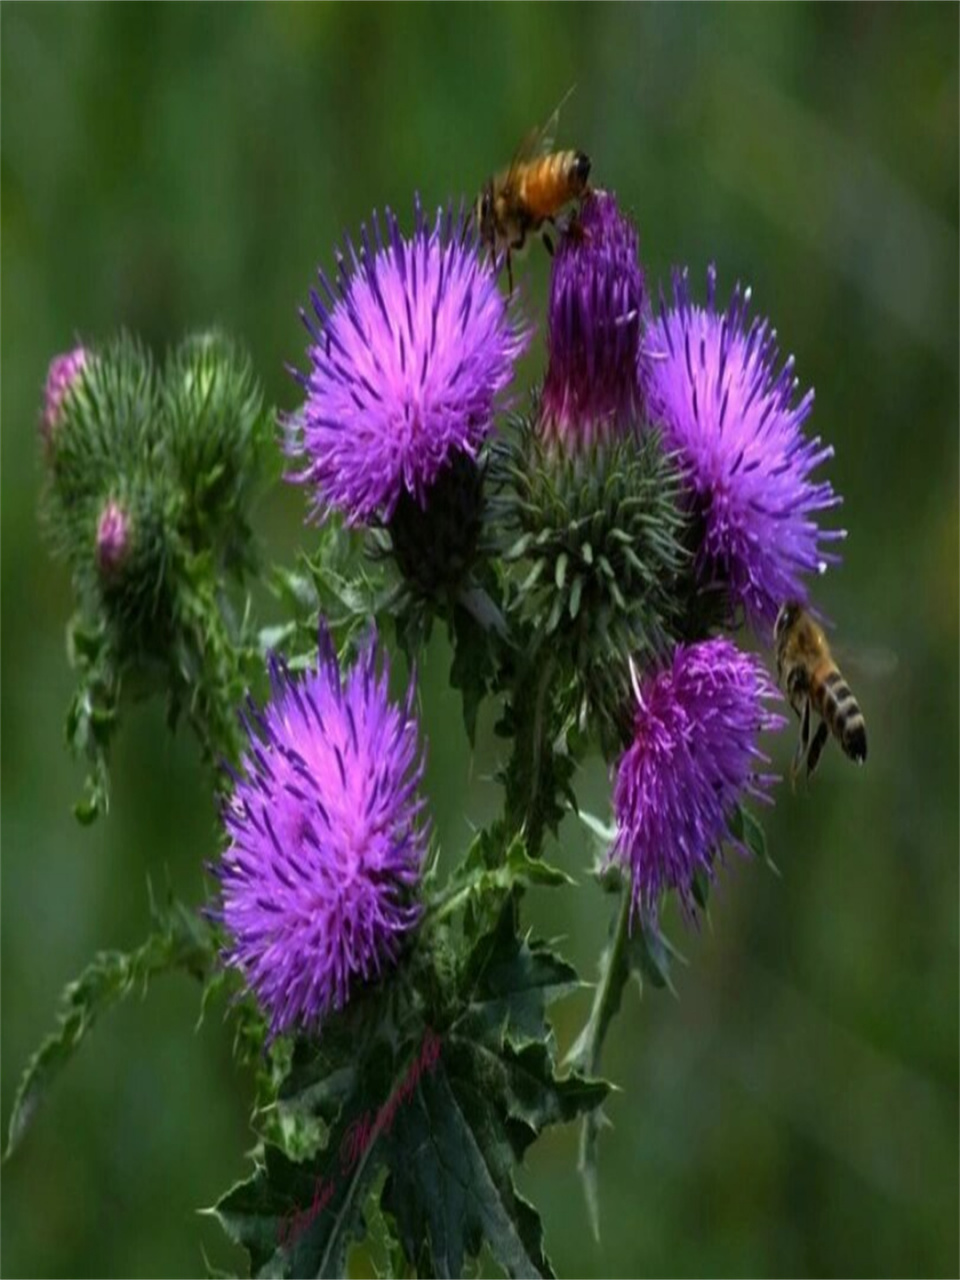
(61, 376)
(409, 351)
(711, 381)
(326, 843)
(593, 336)
(693, 758)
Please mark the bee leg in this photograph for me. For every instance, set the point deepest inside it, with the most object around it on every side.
(803, 746)
(509, 275)
(548, 244)
(816, 748)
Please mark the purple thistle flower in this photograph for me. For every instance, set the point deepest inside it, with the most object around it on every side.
(320, 878)
(593, 339)
(409, 354)
(732, 418)
(113, 537)
(61, 375)
(692, 759)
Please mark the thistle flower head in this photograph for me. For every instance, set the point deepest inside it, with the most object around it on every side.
(320, 876)
(596, 295)
(408, 354)
(693, 758)
(113, 537)
(737, 427)
(61, 376)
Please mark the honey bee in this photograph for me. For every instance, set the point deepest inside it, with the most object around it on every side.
(814, 686)
(531, 192)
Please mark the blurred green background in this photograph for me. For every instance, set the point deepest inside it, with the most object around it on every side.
(164, 168)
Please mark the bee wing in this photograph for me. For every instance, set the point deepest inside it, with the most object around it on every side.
(872, 663)
(539, 140)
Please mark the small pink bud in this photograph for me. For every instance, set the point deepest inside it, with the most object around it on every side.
(62, 374)
(113, 537)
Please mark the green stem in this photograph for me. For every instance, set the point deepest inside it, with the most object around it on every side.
(614, 975)
(447, 904)
(585, 1054)
(525, 781)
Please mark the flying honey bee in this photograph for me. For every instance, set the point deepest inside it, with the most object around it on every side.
(531, 192)
(814, 686)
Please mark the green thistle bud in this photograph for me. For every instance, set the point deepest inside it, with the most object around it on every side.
(130, 578)
(217, 436)
(596, 540)
(107, 426)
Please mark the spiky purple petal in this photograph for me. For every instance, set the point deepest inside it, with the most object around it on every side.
(326, 841)
(596, 297)
(693, 758)
(712, 381)
(409, 351)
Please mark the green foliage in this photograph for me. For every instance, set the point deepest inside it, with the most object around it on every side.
(181, 454)
(444, 1093)
(180, 941)
(218, 437)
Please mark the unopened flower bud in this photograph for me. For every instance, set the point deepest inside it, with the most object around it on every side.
(61, 376)
(113, 537)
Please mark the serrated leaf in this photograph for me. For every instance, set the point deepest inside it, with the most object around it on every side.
(447, 1116)
(507, 984)
(181, 941)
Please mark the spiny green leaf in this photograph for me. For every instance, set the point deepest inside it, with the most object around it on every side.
(447, 1116)
(489, 872)
(181, 941)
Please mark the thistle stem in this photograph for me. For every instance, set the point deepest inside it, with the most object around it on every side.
(585, 1054)
(614, 974)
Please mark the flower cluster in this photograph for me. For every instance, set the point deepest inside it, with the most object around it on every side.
(320, 877)
(655, 443)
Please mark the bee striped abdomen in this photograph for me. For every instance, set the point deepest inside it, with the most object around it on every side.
(841, 711)
(550, 183)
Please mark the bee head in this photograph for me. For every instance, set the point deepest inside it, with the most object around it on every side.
(789, 612)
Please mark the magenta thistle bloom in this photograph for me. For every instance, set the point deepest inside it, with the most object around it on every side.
(408, 357)
(320, 878)
(693, 758)
(596, 296)
(737, 427)
(62, 374)
(113, 537)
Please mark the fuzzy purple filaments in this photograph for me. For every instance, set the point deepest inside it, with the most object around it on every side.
(711, 382)
(410, 350)
(326, 844)
(693, 758)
